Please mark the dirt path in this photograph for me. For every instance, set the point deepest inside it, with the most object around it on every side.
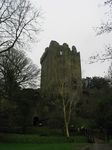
(99, 145)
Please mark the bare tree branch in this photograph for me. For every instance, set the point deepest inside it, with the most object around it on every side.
(25, 72)
(19, 23)
(105, 27)
(102, 57)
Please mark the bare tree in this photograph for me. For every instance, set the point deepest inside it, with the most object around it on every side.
(105, 27)
(68, 90)
(19, 23)
(18, 70)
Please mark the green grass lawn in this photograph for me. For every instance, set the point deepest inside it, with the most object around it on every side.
(56, 146)
(36, 139)
(37, 142)
(42, 139)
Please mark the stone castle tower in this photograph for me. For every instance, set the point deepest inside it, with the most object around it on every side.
(60, 65)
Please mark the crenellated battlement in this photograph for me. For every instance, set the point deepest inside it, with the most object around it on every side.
(55, 46)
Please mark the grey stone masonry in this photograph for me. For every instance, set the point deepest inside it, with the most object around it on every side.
(60, 64)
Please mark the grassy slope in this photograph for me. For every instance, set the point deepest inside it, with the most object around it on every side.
(52, 141)
(36, 142)
(58, 146)
(33, 138)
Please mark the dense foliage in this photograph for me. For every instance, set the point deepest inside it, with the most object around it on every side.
(17, 72)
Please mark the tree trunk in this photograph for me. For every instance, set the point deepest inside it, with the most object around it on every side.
(65, 118)
(67, 131)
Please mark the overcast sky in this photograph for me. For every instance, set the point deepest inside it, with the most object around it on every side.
(72, 22)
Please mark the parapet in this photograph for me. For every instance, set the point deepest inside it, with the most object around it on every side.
(53, 45)
(74, 49)
(65, 45)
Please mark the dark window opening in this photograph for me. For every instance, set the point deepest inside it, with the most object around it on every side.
(35, 121)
